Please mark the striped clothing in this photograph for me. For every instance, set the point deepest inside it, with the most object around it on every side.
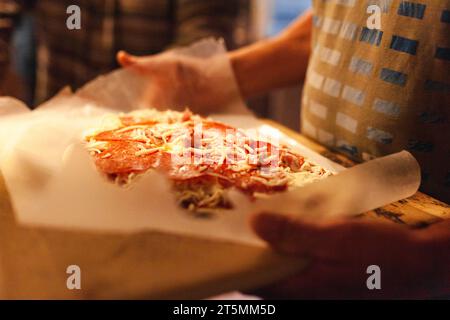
(373, 92)
(137, 26)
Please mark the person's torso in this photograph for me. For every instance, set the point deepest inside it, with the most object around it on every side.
(373, 92)
(137, 26)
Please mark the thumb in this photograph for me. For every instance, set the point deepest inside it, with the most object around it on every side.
(125, 59)
(147, 64)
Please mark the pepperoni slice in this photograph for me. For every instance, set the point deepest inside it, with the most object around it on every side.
(126, 135)
(177, 171)
(291, 160)
(120, 157)
(133, 121)
(210, 124)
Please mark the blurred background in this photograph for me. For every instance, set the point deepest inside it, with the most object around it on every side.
(39, 56)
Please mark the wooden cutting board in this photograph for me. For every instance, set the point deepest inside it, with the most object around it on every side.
(33, 261)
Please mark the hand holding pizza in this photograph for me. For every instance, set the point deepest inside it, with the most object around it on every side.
(413, 263)
(180, 81)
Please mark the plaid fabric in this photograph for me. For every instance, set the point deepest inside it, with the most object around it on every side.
(138, 26)
(374, 92)
(8, 12)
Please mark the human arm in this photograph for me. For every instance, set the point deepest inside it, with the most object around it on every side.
(274, 63)
(258, 68)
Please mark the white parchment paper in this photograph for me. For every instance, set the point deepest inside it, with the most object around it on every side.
(53, 182)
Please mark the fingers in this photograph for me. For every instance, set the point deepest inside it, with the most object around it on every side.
(348, 240)
(146, 65)
(288, 234)
(341, 251)
(269, 227)
(125, 59)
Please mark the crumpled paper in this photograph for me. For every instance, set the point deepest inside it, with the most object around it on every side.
(53, 182)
